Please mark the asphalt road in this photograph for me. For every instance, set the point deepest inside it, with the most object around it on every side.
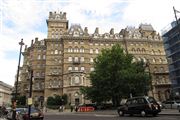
(107, 117)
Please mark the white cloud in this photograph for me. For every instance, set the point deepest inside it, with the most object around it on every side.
(159, 13)
(27, 19)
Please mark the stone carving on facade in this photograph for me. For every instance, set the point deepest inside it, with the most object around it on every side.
(75, 30)
(86, 31)
(96, 33)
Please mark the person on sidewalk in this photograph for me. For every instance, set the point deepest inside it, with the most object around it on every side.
(60, 108)
(76, 108)
(72, 108)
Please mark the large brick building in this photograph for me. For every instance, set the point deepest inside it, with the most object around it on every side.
(62, 62)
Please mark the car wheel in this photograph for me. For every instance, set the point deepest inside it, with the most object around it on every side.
(121, 113)
(154, 114)
(143, 113)
(131, 114)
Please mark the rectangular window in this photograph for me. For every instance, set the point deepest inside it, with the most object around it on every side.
(91, 69)
(91, 60)
(82, 59)
(39, 57)
(91, 50)
(70, 59)
(76, 59)
(69, 68)
(82, 68)
(76, 68)
(44, 57)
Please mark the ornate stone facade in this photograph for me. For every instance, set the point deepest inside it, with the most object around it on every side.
(62, 62)
(5, 94)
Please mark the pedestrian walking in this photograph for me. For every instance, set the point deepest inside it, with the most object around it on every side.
(72, 108)
(76, 108)
(60, 108)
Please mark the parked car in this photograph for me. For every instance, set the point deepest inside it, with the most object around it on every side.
(171, 104)
(143, 105)
(35, 114)
(19, 111)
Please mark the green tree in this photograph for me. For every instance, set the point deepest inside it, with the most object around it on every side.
(21, 100)
(64, 99)
(57, 100)
(50, 101)
(116, 76)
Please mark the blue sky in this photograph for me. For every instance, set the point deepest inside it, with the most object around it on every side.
(27, 19)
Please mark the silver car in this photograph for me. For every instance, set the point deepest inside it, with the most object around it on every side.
(171, 104)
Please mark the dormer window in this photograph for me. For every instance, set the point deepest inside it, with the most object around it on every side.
(76, 34)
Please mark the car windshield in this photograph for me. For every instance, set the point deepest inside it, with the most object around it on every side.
(151, 100)
(33, 110)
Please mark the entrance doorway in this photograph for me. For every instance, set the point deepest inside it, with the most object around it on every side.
(76, 101)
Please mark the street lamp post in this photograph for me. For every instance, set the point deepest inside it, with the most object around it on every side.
(16, 83)
(30, 93)
(149, 72)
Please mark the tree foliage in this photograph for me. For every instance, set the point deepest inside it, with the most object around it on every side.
(116, 76)
(21, 100)
(57, 100)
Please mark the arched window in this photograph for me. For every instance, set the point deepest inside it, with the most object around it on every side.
(133, 50)
(144, 60)
(157, 79)
(160, 60)
(44, 57)
(76, 49)
(91, 60)
(163, 79)
(97, 51)
(155, 69)
(161, 69)
(159, 52)
(82, 49)
(143, 50)
(153, 60)
(39, 57)
(70, 49)
(153, 52)
(56, 52)
(76, 80)
(138, 50)
(56, 34)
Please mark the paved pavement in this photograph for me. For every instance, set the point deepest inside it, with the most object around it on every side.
(109, 112)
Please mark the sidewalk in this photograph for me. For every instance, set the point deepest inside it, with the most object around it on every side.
(109, 112)
(169, 112)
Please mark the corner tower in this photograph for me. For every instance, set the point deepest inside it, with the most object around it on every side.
(57, 27)
(57, 24)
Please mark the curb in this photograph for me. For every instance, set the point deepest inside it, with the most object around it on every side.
(165, 113)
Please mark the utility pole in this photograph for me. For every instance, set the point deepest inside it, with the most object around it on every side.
(30, 93)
